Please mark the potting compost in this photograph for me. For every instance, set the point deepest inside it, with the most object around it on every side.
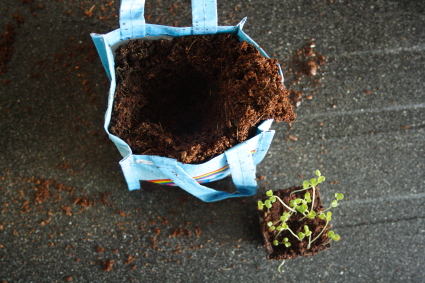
(193, 97)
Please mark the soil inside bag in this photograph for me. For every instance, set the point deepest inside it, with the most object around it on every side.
(191, 98)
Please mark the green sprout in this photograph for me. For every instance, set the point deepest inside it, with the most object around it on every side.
(305, 207)
(333, 237)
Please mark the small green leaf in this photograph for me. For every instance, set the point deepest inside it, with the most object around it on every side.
(306, 184)
(301, 235)
(298, 201)
(284, 217)
(275, 242)
(279, 228)
(272, 199)
(321, 179)
(287, 244)
(268, 203)
(334, 203)
(269, 223)
(302, 208)
(322, 216)
(306, 228)
(272, 228)
(260, 205)
(285, 226)
(269, 193)
(331, 234)
(311, 214)
(292, 203)
(339, 196)
(336, 237)
(318, 173)
(308, 233)
(313, 181)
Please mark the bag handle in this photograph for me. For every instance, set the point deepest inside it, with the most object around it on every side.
(242, 169)
(132, 19)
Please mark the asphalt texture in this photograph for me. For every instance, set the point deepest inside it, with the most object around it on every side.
(66, 214)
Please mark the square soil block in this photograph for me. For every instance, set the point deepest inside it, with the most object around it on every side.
(297, 248)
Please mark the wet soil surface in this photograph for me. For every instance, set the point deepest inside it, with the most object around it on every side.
(191, 98)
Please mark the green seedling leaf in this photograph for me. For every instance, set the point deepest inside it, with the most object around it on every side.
(270, 224)
(336, 237)
(301, 235)
(334, 203)
(318, 173)
(279, 228)
(331, 234)
(272, 199)
(286, 242)
(285, 216)
(306, 184)
(275, 242)
(321, 179)
(302, 208)
(285, 226)
(269, 193)
(307, 231)
(268, 203)
(322, 216)
(311, 214)
(260, 205)
(298, 201)
(313, 181)
(292, 203)
(307, 197)
(339, 196)
(329, 216)
(272, 228)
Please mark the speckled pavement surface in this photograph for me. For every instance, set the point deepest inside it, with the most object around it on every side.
(66, 213)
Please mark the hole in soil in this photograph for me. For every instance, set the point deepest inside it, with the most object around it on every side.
(183, 100)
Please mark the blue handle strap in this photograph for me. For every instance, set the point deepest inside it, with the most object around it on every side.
(242, 169)
(132, 20)
(204, 16)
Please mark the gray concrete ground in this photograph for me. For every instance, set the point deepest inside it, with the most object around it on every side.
(65, 208)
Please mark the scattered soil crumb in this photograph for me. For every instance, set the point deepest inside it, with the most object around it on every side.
(130, 259)
(7, 39)
(107, 265)
(304, 71)
(100, 250)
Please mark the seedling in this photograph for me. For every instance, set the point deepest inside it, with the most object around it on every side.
(304, 206)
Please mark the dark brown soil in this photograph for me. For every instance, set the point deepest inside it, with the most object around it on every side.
(193, 97)
(297, 248)
(7, 39)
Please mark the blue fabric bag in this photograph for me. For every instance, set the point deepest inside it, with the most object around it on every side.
(239, 161)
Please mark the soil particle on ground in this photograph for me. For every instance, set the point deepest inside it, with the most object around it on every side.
(304, 71)
(191, 98)
(7, 40)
